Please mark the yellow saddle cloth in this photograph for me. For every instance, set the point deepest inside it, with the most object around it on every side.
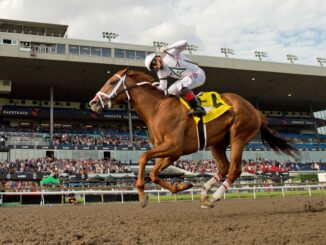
(213, 104)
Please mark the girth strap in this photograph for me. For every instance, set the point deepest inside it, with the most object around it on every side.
(201, 134)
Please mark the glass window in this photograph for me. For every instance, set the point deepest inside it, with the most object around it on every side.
(84, 50)
(6, 41)
(106, 52)
(120, 53)
(130, 54)
(61, 48)
(73, 49)
(140, 55)
(95, 51)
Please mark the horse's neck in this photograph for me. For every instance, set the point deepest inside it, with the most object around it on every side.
(145, 100)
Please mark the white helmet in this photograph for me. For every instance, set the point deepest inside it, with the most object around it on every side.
(148, 60)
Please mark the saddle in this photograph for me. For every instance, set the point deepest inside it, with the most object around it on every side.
(213, 104)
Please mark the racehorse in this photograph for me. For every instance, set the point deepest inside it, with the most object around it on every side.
(173, 132)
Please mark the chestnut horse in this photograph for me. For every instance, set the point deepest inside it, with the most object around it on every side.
(173, 133)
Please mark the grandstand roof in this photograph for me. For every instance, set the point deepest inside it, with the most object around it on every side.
(33, 28)
(77, 77)
(76, 81)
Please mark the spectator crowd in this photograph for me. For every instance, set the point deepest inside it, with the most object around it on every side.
(259, 165)
(57, 166)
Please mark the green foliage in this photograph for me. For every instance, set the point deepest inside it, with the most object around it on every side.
(309, 177)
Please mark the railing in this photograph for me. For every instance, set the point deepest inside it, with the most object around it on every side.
(192, 194)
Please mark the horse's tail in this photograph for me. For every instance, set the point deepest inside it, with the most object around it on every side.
(275, 141)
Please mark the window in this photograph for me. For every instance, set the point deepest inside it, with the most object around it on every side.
(11, 101)
(130, 54)
(106, 52)
(34, 102)
(61, 48)
(6, 41)
(84, 50)
(23, 102)
(140, 55)
(67, 103)
(25, 44)
(6, 82)
(95, 51)
(73, 49)
(120, 53)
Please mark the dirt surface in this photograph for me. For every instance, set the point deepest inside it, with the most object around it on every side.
(262, 221)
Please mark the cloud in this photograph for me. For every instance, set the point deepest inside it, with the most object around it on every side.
(277, 27)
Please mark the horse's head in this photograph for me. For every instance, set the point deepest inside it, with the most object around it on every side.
(103, 98)
(116, 89)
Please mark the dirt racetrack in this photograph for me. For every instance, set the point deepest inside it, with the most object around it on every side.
(262, 221)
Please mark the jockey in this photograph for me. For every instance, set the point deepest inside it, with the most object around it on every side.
(176, 65)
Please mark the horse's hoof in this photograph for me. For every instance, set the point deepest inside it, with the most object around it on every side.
(143, 200)
(184, 186)
(207, 204)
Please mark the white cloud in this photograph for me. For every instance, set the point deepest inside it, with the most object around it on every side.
(276, 26)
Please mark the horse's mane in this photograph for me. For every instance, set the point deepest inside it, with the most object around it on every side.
(140, 76)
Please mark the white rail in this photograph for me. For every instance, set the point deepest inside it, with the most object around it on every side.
(159, 193)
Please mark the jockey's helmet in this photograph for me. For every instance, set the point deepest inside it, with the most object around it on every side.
(149, 60)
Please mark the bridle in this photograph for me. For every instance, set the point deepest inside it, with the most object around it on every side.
(114, 92)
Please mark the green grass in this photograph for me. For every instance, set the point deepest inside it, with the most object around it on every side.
(241, 194)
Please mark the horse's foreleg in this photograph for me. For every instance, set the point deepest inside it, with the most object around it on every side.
(158, 151)
(140, 183)
(160, 165)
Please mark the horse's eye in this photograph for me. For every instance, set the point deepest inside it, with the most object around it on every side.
(113, 82)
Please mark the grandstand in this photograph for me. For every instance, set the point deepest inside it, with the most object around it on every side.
(47, 79)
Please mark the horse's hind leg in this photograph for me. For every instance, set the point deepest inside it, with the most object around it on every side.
(233, 173)
(218, 152)
(160, 165)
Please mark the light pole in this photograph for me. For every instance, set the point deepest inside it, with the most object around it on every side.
(227, 52)
(110, 35)
(159, 44)
(291, 58)
(321, 61)
(260, 54)
(191, 48)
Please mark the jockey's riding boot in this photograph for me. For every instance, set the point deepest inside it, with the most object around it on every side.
(190, 97)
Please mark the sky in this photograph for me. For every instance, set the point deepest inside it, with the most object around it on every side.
(277, 27)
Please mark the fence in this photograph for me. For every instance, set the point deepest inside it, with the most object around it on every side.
(122, 196)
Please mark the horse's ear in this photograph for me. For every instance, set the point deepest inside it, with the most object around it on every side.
(126, 70)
